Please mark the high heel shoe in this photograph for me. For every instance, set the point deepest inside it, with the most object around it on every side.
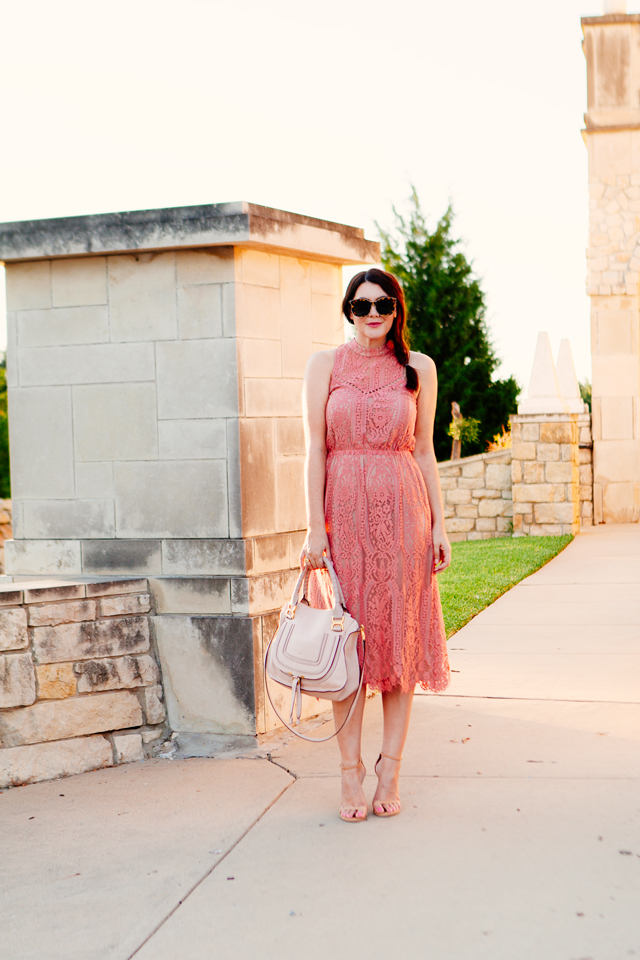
(345, 806)
(384, 805)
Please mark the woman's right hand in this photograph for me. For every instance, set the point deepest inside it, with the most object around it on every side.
(315, 547)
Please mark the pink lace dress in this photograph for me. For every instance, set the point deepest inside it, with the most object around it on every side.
(379, 521)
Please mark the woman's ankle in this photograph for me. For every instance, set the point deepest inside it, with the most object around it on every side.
(350, 764)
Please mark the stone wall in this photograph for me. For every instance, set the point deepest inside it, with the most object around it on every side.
(542, 486)
(162, 385)
(477, 496)
(585, 477)
(551, 474)
(79, 678)
(614, 265)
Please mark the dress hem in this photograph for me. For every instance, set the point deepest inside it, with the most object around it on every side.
(389, 685)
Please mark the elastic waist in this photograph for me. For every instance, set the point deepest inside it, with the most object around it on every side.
(369, 451)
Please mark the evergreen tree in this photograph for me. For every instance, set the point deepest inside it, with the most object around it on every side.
(447, 310)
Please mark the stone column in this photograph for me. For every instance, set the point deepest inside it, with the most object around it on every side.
(612, 135)
(155, 366)
(545, 472)
(551, 449)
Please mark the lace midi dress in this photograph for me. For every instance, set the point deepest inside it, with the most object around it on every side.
(379, 522)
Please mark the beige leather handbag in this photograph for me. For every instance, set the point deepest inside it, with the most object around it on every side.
(315, 652)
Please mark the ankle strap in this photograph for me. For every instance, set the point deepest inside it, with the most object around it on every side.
(353, 767)
(398, 759)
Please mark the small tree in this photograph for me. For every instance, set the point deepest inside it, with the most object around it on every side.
(447, 321)
(462, 430)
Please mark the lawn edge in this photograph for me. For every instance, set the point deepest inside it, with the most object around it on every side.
(511, 585)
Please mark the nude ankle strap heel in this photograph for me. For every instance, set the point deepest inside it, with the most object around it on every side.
(353, 766)
(381, 804)
(387, 756)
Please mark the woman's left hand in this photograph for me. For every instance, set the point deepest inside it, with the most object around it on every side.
(441, 549)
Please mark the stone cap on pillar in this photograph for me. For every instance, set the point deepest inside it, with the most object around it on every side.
(209, 225)
(612, 49)
(553, 388)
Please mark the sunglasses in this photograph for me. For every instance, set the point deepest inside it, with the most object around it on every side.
(362, 308)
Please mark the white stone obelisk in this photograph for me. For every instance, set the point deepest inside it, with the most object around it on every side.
(544, 389)
(567, 379)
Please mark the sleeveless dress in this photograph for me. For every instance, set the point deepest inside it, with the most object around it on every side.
(379, 522)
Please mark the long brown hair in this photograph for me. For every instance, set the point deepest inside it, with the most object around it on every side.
(398, 332)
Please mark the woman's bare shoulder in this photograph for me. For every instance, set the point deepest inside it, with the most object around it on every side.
(422, 363)
(320, 364)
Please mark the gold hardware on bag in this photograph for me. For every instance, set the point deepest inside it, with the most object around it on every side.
(291, 612)
(362, 633)
(337, 623)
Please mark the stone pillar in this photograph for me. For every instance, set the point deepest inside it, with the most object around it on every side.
(545, 472)
(585, 453)
(612, 135)
(155, 367)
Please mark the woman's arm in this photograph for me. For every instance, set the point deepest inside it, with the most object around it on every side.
(425, 455)
(315, 393)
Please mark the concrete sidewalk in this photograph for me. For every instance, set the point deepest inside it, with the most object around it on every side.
(519, 837)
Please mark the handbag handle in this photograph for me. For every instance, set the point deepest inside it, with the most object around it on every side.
(339, 603)
(302, 735)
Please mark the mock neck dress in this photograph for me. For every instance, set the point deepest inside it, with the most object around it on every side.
(379, 521)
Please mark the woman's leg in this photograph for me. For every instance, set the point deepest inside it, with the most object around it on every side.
(353, 805)
(396, 707)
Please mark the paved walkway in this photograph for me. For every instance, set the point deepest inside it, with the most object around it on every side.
(519, 838)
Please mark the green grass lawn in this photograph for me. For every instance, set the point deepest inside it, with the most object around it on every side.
(482, 570)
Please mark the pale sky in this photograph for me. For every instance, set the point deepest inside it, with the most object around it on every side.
(328, 109)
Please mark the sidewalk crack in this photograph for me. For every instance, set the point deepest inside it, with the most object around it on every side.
(282, 767)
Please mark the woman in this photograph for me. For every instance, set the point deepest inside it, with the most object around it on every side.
(374, 507)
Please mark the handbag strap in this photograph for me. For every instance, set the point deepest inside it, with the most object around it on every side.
(302, 735)
(339, 603)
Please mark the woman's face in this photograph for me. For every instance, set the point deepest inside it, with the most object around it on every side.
(373, 327)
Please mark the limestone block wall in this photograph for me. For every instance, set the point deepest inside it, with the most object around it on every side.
(541, 486)
(585, 469)
(545, 471)
(142, 386)
(477, 496)
(122, 390)
(614, 267)
(79, 678)
(286, 309)
(612, 135)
